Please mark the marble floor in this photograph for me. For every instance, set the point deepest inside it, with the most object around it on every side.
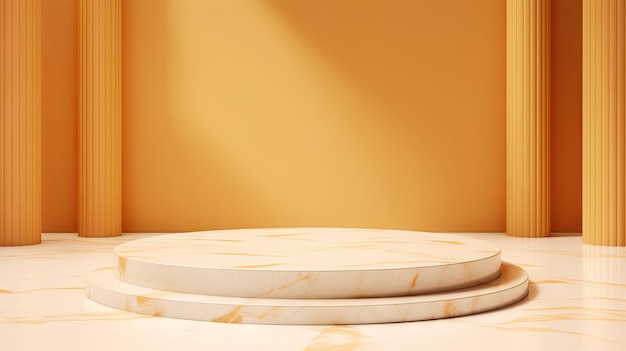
(577, 301)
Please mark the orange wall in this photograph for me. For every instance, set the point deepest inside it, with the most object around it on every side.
(303, 113)
(566, 138)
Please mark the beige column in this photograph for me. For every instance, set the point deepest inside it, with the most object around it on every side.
(100, 118)
(604, 181)
(20, 122)
(528, 118)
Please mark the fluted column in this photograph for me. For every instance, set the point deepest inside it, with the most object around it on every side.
(528, 118)
(604, 90)
(20, 122)
(100, 121)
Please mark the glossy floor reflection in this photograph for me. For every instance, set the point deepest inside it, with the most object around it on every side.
(577, 302)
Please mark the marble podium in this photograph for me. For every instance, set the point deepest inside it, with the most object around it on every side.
(308, 276)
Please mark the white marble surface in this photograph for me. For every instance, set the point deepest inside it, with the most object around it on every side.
(577, 302)
(510, 287)
(307, 262)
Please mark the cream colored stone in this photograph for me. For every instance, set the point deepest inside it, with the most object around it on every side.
(307, 262)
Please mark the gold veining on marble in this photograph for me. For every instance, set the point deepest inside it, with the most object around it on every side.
(230, 317)
(579, 282)
(79, 317)
(549, 330)
(603, 298)
(301, 277)
(147, 305)
(551, 281)
(450, 309)
(575, 313)
(121, 266)
(451, 242)
(143, 300)
(337, 338)
(107, 268)
(414, 280)
(77, 288)
(272, 312)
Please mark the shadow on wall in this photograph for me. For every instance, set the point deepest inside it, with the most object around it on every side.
(170, 183)
(421, 66)
(313, 113)
(59, 104)
(566, 109)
